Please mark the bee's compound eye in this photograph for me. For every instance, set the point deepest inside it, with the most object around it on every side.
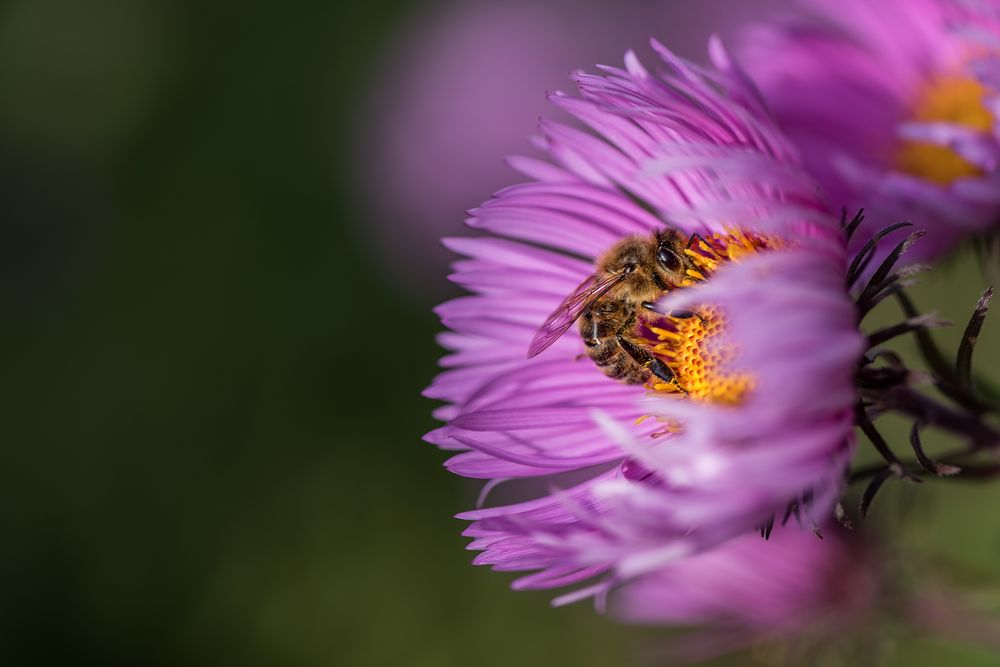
(668, 259)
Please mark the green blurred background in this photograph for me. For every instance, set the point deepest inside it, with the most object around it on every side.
(211, 403)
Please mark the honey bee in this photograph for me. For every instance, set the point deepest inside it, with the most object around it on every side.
(616, 299)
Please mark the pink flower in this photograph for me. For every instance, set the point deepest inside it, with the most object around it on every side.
(757, 415)
(893, 105)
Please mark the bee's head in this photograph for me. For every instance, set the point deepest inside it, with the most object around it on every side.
(669, 255)
(649, 265)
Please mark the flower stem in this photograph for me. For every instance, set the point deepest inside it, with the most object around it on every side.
(968, 425)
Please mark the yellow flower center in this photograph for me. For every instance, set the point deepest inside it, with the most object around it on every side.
(954, 99)
(703, 361)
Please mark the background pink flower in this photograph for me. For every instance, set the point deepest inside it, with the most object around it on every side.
(893, 105)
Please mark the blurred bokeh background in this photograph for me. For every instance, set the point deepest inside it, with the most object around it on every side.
(218, 261)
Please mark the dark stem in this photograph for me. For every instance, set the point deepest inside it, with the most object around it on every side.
(944, 373)
(904, 327)
(869, 495)
(963, 363)
(929, 464)
(868, 428)
(932, 413)
(877, 281)
(864, 256)
(852, 226)
(974, 471)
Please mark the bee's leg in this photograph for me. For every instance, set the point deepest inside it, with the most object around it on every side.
(661, 370)
(679, 314)
(642, 356)
(589, 329)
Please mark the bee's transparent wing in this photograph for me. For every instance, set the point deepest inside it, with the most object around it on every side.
(562, 318)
